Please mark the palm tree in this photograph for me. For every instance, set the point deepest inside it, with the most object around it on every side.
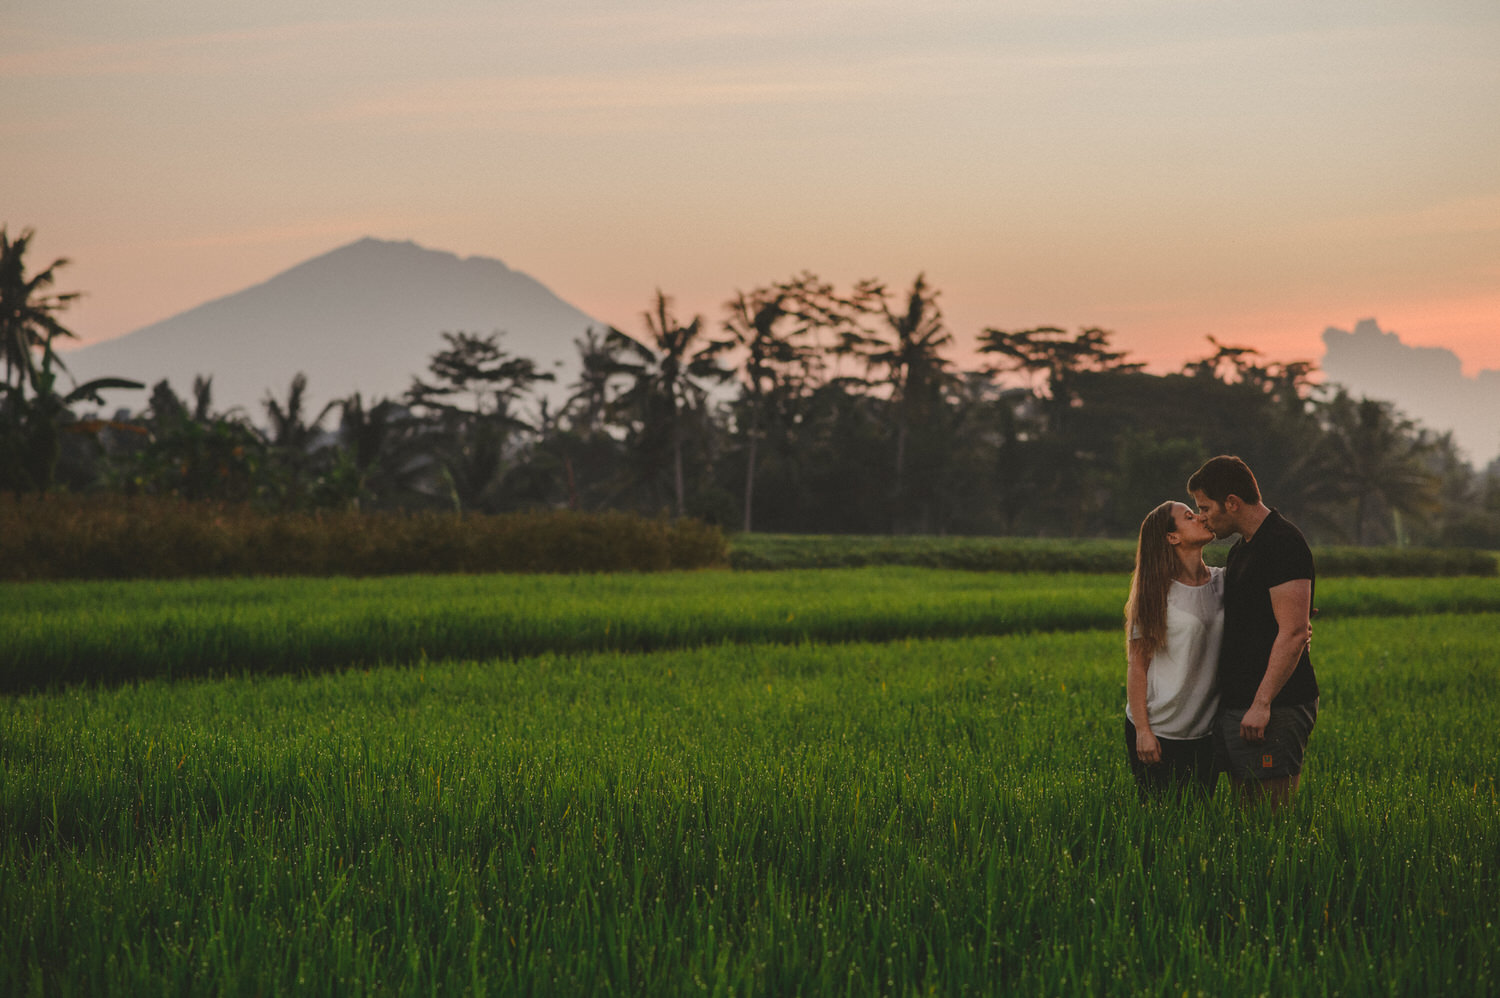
(599, 363)
(1379, 459)
(203, 398)
(290, 429)
(27, 313)
(907, 349)
(367, 431)
(669, 374)
(772, 354)
(32, 409)
(299, 460)
(373, 459)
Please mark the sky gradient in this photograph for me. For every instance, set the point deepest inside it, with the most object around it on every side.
(1255, 171)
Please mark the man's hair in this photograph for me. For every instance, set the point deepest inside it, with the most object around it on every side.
(1225, 476)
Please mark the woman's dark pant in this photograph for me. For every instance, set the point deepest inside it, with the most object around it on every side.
(1186, 766)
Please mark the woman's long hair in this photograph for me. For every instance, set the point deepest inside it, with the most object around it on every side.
(1156, 564)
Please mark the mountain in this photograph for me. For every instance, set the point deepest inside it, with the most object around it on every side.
(1425, 383)
(365, 317)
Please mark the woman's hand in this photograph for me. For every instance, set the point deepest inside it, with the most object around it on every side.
(1147, 748)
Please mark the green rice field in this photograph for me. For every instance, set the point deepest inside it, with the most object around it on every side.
(716, 783)
(82, 632)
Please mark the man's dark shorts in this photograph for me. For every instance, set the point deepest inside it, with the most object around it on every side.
(1280, 755)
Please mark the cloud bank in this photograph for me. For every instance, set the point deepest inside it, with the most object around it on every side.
(1426, 383)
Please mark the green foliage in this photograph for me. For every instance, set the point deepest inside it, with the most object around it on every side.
(65, 633)
(1023, 554)
(470, 416)
(949, 817)
(1391, 561)
(850, 416)
(197, 456)
(117, 537)
(34, 408)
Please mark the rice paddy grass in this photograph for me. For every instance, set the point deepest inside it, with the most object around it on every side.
(947, 815)
(110, 632)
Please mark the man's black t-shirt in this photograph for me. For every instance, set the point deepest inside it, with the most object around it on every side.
(1277, 553)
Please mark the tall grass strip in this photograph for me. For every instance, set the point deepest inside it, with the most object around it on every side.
(68, 633)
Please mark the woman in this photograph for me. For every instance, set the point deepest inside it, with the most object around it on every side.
(1174, 622)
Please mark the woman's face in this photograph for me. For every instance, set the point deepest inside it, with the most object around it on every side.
(1189, 527)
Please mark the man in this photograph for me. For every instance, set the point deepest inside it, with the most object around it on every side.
(1268, 693)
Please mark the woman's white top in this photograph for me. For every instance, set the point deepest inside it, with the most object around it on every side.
(1182, 689)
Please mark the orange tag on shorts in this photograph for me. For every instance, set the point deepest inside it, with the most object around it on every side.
(1265, 762)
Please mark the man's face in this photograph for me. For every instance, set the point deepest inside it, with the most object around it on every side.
(1214, 515)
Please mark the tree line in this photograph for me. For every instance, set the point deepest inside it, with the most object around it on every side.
(800, 408)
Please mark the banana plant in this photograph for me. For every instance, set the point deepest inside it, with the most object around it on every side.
(31, 426)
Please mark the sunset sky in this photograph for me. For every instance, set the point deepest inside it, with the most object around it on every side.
(1167, 170)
